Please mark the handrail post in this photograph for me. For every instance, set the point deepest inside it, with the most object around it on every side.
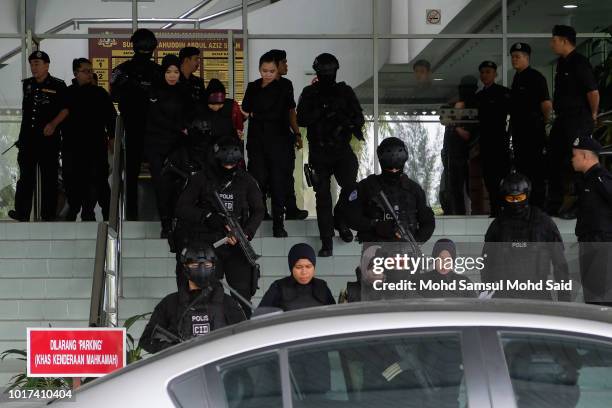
(97, 287)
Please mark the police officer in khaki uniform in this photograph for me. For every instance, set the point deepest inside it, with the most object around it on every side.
(44, 109)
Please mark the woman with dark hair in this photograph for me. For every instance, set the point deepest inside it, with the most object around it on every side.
(169, 111)
(268, 102)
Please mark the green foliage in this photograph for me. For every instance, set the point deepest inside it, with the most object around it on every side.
(21, 380)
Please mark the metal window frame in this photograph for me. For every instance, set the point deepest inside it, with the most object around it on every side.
(502, 391)
(477, 385)
(26, 35)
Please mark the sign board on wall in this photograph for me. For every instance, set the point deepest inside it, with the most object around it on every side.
(106, 53)
(90, 352)
(433, 16)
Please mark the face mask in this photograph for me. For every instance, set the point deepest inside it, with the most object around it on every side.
(390, 176)
(227, 174)
(327, 79)
(517, 209)
(201, 273)
(143, 56)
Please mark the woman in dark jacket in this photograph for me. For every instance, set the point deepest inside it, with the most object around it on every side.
(167, 118)
(217, 119)
(301, 289)
(268, 102)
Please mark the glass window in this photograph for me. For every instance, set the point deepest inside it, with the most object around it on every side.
(558, 371)
(414, 371)
(443, 17)
(253, 382)
(312, 17)
(412, 87)
(56, 16)
(10, 122)
(540, 16)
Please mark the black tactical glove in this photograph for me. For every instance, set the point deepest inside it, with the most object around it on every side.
(214, 221)
(385, 228)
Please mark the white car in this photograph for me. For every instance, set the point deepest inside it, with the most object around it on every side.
(421, 353)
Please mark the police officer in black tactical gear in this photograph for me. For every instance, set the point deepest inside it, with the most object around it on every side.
(530, 110)
(594, 222)
(332, 114)
(301, 289)
(365, 212)
(198, 308)
(87, 132)
(576, 102)
(44, 109)
(493, 103)
(199, 218)
(189, 58)
(130, 83)
(522, 243)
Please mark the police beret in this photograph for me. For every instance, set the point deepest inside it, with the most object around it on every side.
(587, 143)
(41, 55)
(487, 64)
(565, 31)
(520, 46)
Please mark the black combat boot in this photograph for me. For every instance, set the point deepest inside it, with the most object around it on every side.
(327, 249)
(278, 227)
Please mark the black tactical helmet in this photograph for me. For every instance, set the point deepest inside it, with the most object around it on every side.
(199, 264)
(392, 154)
(325, 64)
(227, 151)
(515, 184)
(143, 41)
(514, 191)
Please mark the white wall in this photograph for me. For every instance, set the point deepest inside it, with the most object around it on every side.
(409, 17)
(9, 13)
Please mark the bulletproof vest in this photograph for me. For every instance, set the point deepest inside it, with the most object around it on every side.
(295, 296)
(204, 316)
(221, 121)
(401, 197)
(525, 256)
(333, 129)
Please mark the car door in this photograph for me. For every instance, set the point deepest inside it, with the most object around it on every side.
(419, 368)
(546, 369)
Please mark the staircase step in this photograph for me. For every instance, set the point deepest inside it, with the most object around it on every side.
(10, 230)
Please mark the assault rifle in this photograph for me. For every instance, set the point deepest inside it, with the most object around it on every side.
(236, 231)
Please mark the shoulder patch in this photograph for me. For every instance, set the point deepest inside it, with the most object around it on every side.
(353, 195)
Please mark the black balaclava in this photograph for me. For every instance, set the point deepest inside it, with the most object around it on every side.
(326, 66)
(392, 154)
(515, 185)
(227, 152)
(143, 43)
(203, 274)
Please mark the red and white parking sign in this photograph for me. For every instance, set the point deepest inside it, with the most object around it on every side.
(91, 352)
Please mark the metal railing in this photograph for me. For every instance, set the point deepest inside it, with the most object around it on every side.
(77, 22)
(106, 286)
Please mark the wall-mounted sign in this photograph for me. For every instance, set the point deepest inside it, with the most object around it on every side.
(433, 16)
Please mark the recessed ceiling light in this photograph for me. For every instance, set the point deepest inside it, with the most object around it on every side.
(570, 6)
(438, 79)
